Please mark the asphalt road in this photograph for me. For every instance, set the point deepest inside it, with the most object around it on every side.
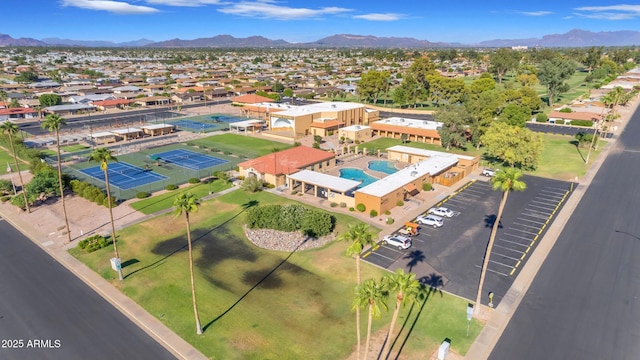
(585, 301)
(47, 313)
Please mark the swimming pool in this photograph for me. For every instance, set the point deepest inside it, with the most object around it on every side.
(357, 175)
(384, 166)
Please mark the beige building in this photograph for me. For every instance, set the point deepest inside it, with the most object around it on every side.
(356, 133)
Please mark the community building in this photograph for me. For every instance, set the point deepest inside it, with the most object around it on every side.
(273, 168)
(425, 131)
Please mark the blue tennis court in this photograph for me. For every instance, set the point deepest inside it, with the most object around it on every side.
(124, 176)
(188, 159)
(194, 125)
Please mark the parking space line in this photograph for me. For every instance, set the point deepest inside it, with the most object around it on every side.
(510, 249)
(542, 207)
(505, 256)
(368, 252)
(528, 232)
(518, 236)
(534, 215)
(546, 203)
(493, 271)
(537, 222)
(513, 242)
(383, 256)
(538, 211)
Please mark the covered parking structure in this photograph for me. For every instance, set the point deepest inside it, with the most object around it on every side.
(157, 129)
(128, 133)
(325, 186)
(247, 125)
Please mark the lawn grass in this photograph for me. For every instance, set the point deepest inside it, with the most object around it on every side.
(260, 304)
(7, 159)
(241, 145)
(74, 148)
(383, 143)
(165, 200)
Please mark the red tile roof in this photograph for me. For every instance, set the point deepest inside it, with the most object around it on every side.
(287, 161)
(251, 99)
(11, 111)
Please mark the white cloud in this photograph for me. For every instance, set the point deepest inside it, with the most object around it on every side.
(188, 3)
(380, 17)
(535, 13)
(116, 7)
(611, 12)
(268, 10)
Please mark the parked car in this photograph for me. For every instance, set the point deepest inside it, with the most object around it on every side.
(442, 211)
(488, 172)
(399, 241)
(430, 220)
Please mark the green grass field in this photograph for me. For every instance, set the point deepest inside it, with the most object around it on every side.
(7, 159)
(260, 304)
(164, 201)
(240, 145)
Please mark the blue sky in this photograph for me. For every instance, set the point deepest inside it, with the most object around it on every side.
(303, 21)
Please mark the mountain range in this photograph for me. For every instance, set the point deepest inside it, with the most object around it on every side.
(573, 38)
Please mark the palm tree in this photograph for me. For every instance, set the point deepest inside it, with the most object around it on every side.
(10, 128)
(372, 295)
(359, 236)
(407, 289)
(187, 203)
(53, 122)
(104, 156)
(505, 180)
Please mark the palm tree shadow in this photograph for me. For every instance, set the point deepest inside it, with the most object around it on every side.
(432, 284)
(416, 256)
(577, 145)
(489, 220)
(159, 262)
(265, 277)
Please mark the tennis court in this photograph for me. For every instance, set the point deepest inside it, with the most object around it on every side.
(188, 159)
(194, 125)
(124, 176)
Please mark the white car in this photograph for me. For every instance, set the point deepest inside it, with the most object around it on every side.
(442, 211)
(488, 172)
(430, 220)
(399, 241)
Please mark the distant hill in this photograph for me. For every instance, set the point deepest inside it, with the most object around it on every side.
(96, 43)
(223, 41)
(6, 40)
(573, 38)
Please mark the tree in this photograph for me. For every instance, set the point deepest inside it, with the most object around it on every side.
(372, 295)
(583, 138)
(371, 84)
(502, 61)
(515, 115)
(420, 70)
(251, 183)
(514, 146)
(553, 74)
(506, 181)
(592, 58)
(407, 288)
(187, 203)
(455, 120)
(10, 128)
(47, 100)
(28, 76)
(104, 156)
(13, 104)
(53, 122)
(358, 236)
(445, 91)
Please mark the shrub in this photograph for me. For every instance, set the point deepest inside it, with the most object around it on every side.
(171, 187)
(343, 205)
(6, 186)
(317, 138)
(5, 198)
(251, 184)
(588, 123)
(18, 200)
(361, 207)
(373, 213)
(268, 186)
(541, 117)
(352, 209)
(240, 177)
(294, 192)
(94, 243)
(194, 180)
(389, 221)
(333, 204)
(387, 212)
(399, 203)
(316, 145)
(291, 217)
(143, 195)
(114, 202)
(99, 198)
(565, 110)
(427, 186)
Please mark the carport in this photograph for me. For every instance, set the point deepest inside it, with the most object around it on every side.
(325, 186)
(246, 125)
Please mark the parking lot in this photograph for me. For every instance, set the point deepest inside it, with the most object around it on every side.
(454, 252)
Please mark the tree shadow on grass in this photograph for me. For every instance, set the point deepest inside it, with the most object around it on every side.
(258, 283)
(577, 145)
(177, 244)
(432, 284)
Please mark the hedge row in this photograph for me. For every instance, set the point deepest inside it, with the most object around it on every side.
(91, 193)
(291, 217)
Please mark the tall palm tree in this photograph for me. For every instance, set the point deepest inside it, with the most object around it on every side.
(104, 156)
(372, 295)
(10, 128)
(53, 122)
(506, 180)
(358, 236)
(407, 288)
(188, 203)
